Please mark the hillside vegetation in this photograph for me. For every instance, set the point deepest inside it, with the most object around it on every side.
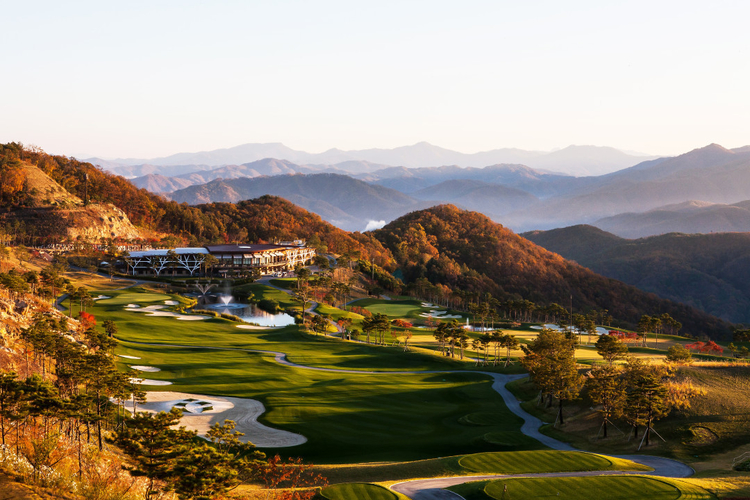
(467, 250)
(710, 272)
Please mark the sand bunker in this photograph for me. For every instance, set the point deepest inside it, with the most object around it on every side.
(429, 306)
(256, 327)
(141, 368)
(155, 310)
(148, 381)
(128, 357)
(439, 315)
(171, 302)
(201, 412)
(101, 297)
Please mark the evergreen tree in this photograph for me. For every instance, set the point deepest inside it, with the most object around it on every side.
(550, 360)
(154, 447)
(606, 388)
(611, 348)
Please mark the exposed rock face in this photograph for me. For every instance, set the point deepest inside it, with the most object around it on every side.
(94, 222)
(52, 211)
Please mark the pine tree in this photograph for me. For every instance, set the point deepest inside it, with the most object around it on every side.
(550, 360)
(154, 447)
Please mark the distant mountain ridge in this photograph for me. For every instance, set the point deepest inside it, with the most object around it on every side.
(576, 160)
(712, 174)
(341, 200)
(689, 217)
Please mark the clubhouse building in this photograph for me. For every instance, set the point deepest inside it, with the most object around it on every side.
(228, 260)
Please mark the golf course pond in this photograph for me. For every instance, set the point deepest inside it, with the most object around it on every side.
(252, 314)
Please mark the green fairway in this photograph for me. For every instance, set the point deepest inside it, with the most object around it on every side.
(286, 283)
(359, 491)
(347, 417)
(543, 461)
(336, 314)
(583, 488)
(261, 292)
(410, 309)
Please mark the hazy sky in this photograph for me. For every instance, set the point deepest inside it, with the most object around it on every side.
(145, 79)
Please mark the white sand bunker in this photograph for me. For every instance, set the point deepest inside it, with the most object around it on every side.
(170, 302)
(155, 310)
(128, 357)
(201, 412)
(429, 306)
(148, 381)
(101, 297)
(440, 315)
(141, 368)
(256, 327)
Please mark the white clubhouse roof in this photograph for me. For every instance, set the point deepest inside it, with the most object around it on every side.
(162, 252)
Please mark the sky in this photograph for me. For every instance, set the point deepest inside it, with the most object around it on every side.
(147, 79)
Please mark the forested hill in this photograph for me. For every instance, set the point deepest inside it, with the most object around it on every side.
(708, 271)
(467, 250)
(267, 218)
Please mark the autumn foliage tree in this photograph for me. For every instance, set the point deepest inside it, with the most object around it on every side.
(290, 479)
(709, 347)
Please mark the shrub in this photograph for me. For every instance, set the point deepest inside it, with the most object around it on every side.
(231, 317)
(678, 354)
(206, 312)
(269, 305)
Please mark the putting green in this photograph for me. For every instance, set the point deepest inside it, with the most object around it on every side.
(359, 491)
(594, 488)
(520, 462)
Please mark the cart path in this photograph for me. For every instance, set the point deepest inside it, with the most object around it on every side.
(432, 489)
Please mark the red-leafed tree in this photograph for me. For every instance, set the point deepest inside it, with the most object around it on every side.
(87, 320)
(709, 347)
(624, 336)
(402, 323)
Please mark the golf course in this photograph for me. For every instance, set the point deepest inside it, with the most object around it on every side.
(373, 418)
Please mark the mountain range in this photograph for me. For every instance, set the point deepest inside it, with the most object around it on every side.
(574, 160)
(652, 197)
